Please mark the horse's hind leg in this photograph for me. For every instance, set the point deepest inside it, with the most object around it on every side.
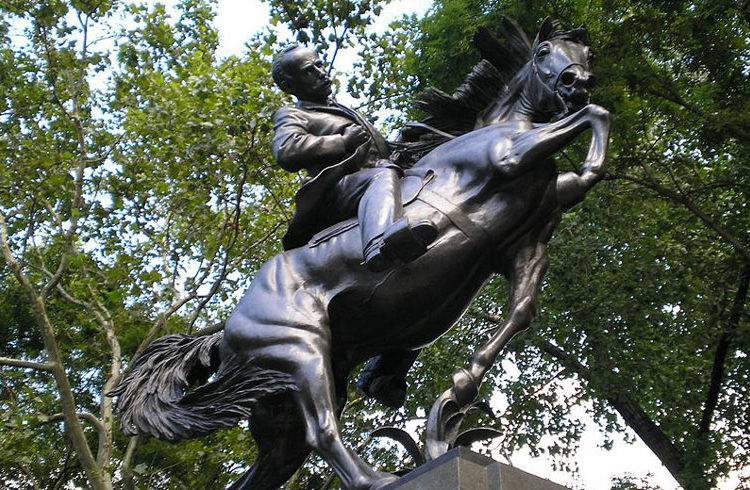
(285, 329)
(279, 433)
(316, 397)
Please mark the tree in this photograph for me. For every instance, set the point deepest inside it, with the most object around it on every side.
(138, 195)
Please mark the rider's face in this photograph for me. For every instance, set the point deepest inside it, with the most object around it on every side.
(309, 78)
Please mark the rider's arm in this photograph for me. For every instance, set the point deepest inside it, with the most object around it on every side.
(296, 148)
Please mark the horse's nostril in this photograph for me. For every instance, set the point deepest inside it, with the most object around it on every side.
(568, 78)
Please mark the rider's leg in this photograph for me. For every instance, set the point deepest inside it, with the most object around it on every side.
(386, 234)
(374, 196)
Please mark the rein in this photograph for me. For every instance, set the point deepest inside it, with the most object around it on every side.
(554, 93)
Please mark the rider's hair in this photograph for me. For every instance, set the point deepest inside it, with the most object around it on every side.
(280, 76)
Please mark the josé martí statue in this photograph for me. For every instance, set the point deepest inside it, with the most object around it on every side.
(485, 182)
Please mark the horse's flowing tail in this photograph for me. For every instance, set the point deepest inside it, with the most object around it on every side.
(156, 398)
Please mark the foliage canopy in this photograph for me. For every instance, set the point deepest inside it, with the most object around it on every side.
(138, 195)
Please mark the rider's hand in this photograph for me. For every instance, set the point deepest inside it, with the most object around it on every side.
(354, 136)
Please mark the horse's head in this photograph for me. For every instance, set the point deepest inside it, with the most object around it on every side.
(561, 71)
(543, 81)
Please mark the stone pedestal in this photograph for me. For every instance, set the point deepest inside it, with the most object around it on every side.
(461, 469)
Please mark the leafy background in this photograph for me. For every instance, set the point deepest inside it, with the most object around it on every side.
(138, 196)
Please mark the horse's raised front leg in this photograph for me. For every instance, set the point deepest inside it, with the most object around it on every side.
(572, 186)
(531, 147)
(525, 279)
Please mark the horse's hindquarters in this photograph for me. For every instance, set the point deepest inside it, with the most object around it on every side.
(278, 319)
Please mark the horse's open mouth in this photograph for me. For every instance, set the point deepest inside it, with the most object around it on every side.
(575, 100)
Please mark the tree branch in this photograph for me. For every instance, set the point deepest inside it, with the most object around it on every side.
(722, 351)
(235, 234)
(621, 400)
(39, 366)
(60, 479)
(676, 98)
(128, 478)
(106, 404)
(59, 417)
(158, 326)
(628, 408)
(216, 327)
(57, 368)
(26, 471)
(692, 207)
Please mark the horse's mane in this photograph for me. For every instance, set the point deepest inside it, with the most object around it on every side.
(494, 83)
(488, 80)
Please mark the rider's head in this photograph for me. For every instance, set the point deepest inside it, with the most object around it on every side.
(299, 71)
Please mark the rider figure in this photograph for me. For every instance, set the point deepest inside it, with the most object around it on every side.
(348, 173)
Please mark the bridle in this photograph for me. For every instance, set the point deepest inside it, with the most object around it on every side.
(562, 108)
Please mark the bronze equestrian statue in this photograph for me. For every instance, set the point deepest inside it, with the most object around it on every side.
(314, 313)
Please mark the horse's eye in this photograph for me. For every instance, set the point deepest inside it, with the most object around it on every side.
(543, 51)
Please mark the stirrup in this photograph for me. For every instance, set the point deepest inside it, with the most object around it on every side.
(401, 241)
(406, 241)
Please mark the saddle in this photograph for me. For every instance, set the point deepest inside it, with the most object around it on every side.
(415, 187)
(412, 185)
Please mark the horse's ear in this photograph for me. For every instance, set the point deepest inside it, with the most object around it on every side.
(583, 34)
(544, 32)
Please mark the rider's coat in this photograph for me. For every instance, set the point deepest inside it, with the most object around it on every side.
(309, 136)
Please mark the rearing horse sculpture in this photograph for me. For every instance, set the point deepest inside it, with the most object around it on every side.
(312, 314)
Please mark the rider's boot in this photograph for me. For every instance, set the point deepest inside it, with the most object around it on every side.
(402, 241)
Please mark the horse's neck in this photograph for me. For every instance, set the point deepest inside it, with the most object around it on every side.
(525, 104)
(520, 109)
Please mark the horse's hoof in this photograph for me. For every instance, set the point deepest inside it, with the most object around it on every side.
(465, 387)
(384, 480)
